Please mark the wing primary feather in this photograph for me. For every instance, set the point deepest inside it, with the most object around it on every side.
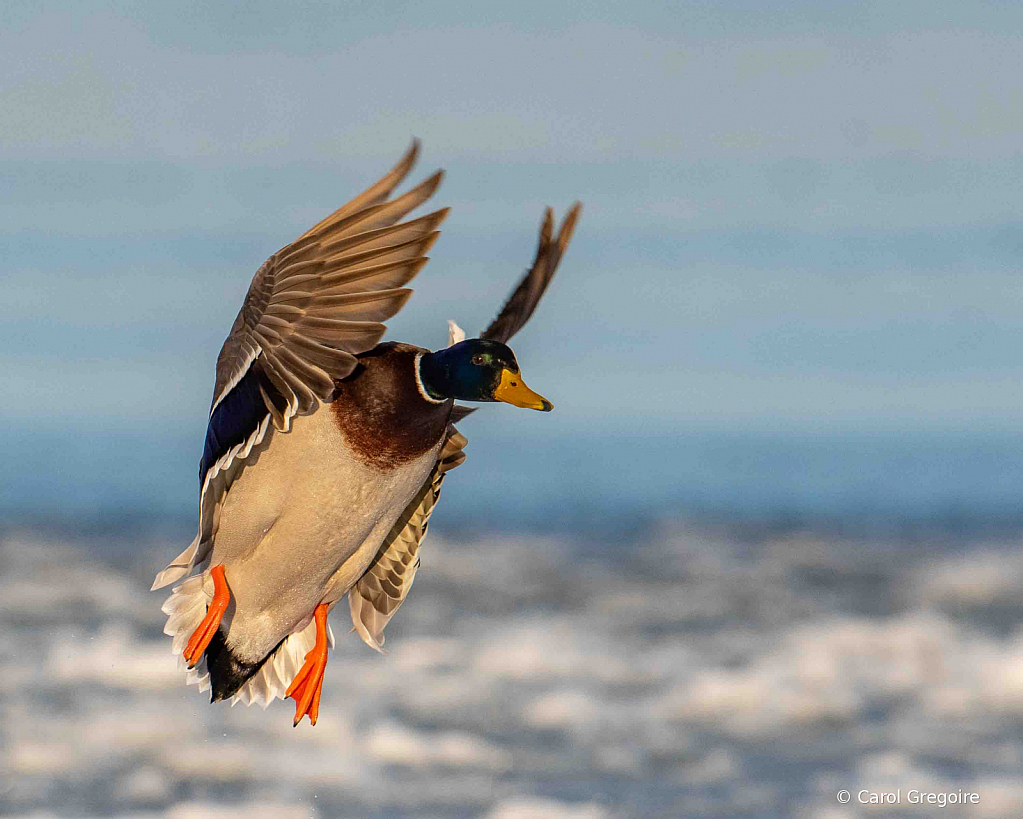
(394, 234)
(356, 328)
(334, 244)
(526, 296)
(333, 281)
(387, 214)
(374, 194)
(347, 266)
(362, 297)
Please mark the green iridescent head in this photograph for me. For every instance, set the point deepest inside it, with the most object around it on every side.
(478, 370)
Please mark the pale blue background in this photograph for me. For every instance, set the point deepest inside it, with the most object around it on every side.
(801, 236)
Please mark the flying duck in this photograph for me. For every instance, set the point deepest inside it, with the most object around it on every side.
(326, 450)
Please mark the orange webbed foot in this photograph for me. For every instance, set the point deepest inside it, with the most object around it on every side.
(305, 689)
(201, 637)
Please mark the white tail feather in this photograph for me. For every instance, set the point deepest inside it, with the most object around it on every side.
(273, 678)
(178, 568)
(185, 610)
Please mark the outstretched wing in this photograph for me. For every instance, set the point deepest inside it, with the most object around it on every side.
(375, 598)
(311, 308)
(527, 295)
(318, 302)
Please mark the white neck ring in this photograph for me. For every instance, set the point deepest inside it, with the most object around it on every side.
(422, 387)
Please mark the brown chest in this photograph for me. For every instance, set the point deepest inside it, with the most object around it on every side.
(381, 413)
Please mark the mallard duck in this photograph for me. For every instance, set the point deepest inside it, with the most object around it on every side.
(326, 450)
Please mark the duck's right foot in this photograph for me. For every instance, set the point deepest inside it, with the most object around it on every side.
(308, 683)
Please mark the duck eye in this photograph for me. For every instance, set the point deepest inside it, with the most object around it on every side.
(479, 360)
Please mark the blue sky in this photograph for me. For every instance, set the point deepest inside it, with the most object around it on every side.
(796, 216)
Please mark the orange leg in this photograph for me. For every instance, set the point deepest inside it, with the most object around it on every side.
(211, 622)
(308, 683)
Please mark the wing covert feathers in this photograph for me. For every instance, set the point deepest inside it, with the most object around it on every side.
(527, 295)
(375, 598)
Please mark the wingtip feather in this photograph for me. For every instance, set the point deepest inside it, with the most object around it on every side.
(429, 185)
(568, 225)
(381, 189)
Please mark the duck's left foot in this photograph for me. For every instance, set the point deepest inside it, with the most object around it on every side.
(308, 683)
(201, 637)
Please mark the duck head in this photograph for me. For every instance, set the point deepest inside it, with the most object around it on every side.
(478, 370)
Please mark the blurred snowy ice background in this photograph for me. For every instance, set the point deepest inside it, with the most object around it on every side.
(694, 671)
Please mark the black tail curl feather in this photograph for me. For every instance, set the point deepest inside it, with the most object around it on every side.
(227, 672)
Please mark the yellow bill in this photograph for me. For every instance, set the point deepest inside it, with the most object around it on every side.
(513, 390)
